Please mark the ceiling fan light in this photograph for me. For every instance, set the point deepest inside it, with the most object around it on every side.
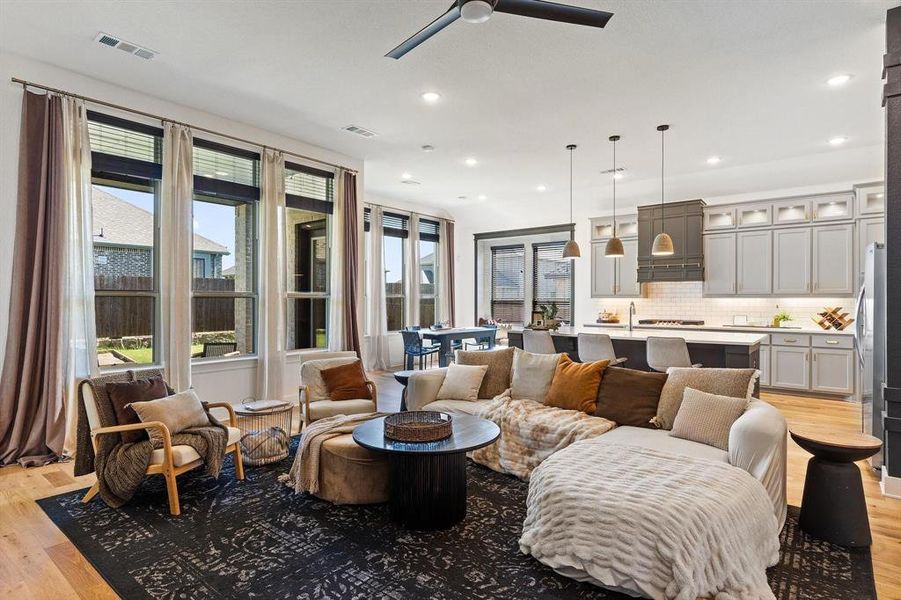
(663, 245)
(614, 248)
(571, 250)
(476, 11)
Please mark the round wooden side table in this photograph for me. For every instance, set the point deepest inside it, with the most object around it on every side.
(834, 507)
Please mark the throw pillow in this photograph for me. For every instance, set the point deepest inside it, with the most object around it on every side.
(500, 367)
(124, 393)
(179, 412)
(462, 382)
(707, 418)
(532, 375)
(735, 383)
(575, 385)
(346, 382)
(629, 397)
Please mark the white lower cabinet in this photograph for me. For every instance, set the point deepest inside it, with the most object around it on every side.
(790, 368)
(832, 371)
(765, 366)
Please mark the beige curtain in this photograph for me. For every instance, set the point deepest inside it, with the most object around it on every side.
(412, 275)
(271, 343)
(446, 290)
(336, 324)
(176, 220)
(32, 406)
(377, 355)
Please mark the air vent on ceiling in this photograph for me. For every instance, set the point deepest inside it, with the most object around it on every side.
(617, 170)
(120, 44)
(411, 182)
(361, 131)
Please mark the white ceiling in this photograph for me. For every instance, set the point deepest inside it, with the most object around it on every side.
(742, 80)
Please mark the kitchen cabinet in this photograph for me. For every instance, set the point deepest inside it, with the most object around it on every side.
(791, 211)
(832, 371)
(627, 270)
(790, 367)
(871, 200)
(684, 222)
(614, 276)
(754, 272)
(755, 216)
(869, 231)
(791, 261)
(719, 264)
(835, 207)
(764, 366)
(719, 218)
(833, 260)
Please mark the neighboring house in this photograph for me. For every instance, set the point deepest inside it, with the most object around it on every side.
(123, 241)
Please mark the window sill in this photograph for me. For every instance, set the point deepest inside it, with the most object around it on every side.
(216, 365)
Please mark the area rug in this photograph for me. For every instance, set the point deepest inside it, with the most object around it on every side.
(256, 539)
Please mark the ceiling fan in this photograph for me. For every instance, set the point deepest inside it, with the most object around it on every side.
(479, 11)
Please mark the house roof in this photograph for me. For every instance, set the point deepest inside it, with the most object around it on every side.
(121, 223)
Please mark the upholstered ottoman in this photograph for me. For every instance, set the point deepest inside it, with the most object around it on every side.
(351, 474)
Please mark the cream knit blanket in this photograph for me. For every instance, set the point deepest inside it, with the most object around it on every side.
(304, 473)
(652, 523)
(531, 432)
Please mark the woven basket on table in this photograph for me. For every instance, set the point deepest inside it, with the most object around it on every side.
(418, 426)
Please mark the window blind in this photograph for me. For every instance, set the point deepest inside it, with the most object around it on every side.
(552, 278)
(428, 230)
(221, 171)
(508, 283)
(396, 225)
(307, 182)
(122, 149)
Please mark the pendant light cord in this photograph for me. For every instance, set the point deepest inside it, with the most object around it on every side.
(614, 188)
(662, 160)
(571, 184)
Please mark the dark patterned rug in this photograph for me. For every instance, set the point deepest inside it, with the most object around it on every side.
(256, 539)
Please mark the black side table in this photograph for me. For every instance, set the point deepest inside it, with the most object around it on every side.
(428, 479)
(403, 378)
(834, 507)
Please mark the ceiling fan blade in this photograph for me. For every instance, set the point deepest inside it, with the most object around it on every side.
(452, 14)
(551, 11)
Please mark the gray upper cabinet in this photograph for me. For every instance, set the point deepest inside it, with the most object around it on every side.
(627, 270)
(791, 261)
(754, 273)
(833, 260)
(719, 264)
(869, 231)
(603, 272)
(684, 222)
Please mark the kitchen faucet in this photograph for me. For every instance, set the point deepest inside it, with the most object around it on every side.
(631, 312)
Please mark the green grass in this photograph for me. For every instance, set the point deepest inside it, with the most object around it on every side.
(143, 356)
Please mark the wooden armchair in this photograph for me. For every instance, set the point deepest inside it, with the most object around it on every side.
(314, 398)
(169, 461)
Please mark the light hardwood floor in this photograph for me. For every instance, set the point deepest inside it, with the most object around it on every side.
(37, 561)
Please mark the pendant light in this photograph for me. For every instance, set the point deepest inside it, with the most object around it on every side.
(614, 247)
(571, 249)
(663, 243)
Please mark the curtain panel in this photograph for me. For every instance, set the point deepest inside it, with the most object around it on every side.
(273, 288)
(446, 289)
(336, 324)
(377, 356)
(412, 271)
(176, 233)
(352, 285)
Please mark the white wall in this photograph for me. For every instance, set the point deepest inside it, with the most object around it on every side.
(232, 380)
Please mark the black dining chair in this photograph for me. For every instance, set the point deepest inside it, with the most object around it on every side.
(483, 342)
(414, 347)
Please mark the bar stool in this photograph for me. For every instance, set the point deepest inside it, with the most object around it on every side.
(538, 342)
(597, 346)
(665, 352)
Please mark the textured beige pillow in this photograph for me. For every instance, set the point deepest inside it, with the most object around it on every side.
(532, 375)
(177, 412)
(500, 367)
(707, 418)
(735, 383)
(462, 382)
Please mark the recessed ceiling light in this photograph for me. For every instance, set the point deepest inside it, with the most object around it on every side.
(839, 80)
(541, 188)
(714, 160)
(837, 140)
(461, 197)
(618, 175)
(471, 162)
(483, 197)
(427, 148)
(406, 176)
(431, 97)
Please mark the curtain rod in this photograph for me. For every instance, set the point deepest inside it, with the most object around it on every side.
(405, 211)
(26, 84)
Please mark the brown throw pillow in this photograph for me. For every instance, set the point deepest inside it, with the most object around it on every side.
(575, 385)
(735, 383)
(707, 418)
(629, 397)
(500, 368)
(346, 382)
(123, 394)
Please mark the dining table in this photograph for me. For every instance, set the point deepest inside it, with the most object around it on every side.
(446, 335)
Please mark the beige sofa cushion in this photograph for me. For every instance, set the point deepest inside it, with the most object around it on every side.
(532, 375)
(182, 455)
(735, 383)
(500, 369)
(657, 439)
(456, 407)
(330, 408)
(177, 412)
(462, 382)
(707, 418)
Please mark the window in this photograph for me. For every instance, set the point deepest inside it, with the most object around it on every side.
(428, 272)
(309, 201)
(396, 230)
(552, 279)
(226, 191)
(126, 168)
(507, 283)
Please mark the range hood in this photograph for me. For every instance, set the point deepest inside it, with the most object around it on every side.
(684, 222)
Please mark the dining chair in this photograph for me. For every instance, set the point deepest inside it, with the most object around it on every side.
(538, 342)
(414, 347)
(597, 346)
(665, 352)
(483, 342)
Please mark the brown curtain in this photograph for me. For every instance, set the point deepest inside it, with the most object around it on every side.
(449, 265)
(351, 273)
(32, 408)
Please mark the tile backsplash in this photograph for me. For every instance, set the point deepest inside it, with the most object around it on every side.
(685, 300)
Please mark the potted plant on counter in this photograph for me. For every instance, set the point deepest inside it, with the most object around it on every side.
(550, 315)
(781, 316)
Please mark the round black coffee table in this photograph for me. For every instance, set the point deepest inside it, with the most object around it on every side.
(834, 507)
(428, 479)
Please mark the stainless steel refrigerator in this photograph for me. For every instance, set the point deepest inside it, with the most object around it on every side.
(870, 343)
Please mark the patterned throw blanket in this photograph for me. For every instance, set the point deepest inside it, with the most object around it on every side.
(661, 525)
(531, 432)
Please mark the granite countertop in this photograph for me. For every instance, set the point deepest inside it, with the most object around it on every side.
(691, 336)
(724, 327)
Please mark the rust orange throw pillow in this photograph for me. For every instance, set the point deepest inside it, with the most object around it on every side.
(575, 385)
(346, 382)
